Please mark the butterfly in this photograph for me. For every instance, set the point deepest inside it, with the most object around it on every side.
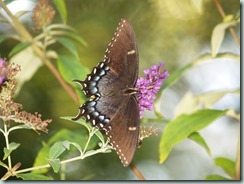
(110, 87)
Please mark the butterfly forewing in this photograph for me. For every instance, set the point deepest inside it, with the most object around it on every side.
(122, 52)
(111, 107)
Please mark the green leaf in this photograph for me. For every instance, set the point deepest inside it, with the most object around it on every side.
(3, 38)
(8, 1)
(187, 105)
(56, 150)
(218, 35)
(182, 126)
(3, 164)
(61, 7)
(228, 18)
(68, 143)
(77, 38)
(67, 43)
(87, 125)
(190, 103)
(20, 13)
(71, 69)
(226, 164)
(195, 136)
(215, 177)
(29, 64)
(68, 34)
(63, 30)
(65, 27)
(32, 176)
(100, 136)
(12, 146)
(174, 77)
(79, 136)
(233, 114)
(6, 153)
(55, 164)
(210, 98)
(79, 121)
(69, 135)
(41, 158)
(19, 47)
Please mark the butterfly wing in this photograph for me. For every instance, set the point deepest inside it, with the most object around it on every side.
(110, 107)
(122, 52)
(123, 131)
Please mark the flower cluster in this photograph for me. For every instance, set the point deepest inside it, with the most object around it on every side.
(149, 86)
(43, 14)
(10, 110)
(146, 132)
(3, 71)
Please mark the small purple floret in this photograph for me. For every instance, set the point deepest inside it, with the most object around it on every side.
(2, 63)
(149, 86)
(3, 71)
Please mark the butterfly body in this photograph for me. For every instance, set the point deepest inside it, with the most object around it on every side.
(110, 87)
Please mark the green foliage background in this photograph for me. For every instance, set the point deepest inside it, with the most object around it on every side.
(175, 32)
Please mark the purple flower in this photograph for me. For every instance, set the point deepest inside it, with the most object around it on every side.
(149, 86)
(3, 71)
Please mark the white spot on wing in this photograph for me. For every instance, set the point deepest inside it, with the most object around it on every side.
(102, 64)
(95, 71)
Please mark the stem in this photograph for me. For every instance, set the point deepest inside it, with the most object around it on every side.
(17, 127)
(62, 173)
(41, 54)
(81, 157)
(231, 29)
(136, 172)
(7, 144)
(91, 133)
(33, 168)
(237, 176)
(16, 24)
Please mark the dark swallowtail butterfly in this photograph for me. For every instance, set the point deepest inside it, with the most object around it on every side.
(110, 87)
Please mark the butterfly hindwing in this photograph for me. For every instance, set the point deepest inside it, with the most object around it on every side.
(123, 131)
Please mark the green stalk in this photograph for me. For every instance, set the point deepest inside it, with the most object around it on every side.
(6, 133)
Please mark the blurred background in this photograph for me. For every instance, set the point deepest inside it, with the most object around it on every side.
(175, 32)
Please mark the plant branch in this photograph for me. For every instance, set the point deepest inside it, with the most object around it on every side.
(16, 24)
(136, 171)
(27, 37)
(81, 157)
(91, 133)
(231, 29)
(11, 171)
(7, 144)
(237, 176)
